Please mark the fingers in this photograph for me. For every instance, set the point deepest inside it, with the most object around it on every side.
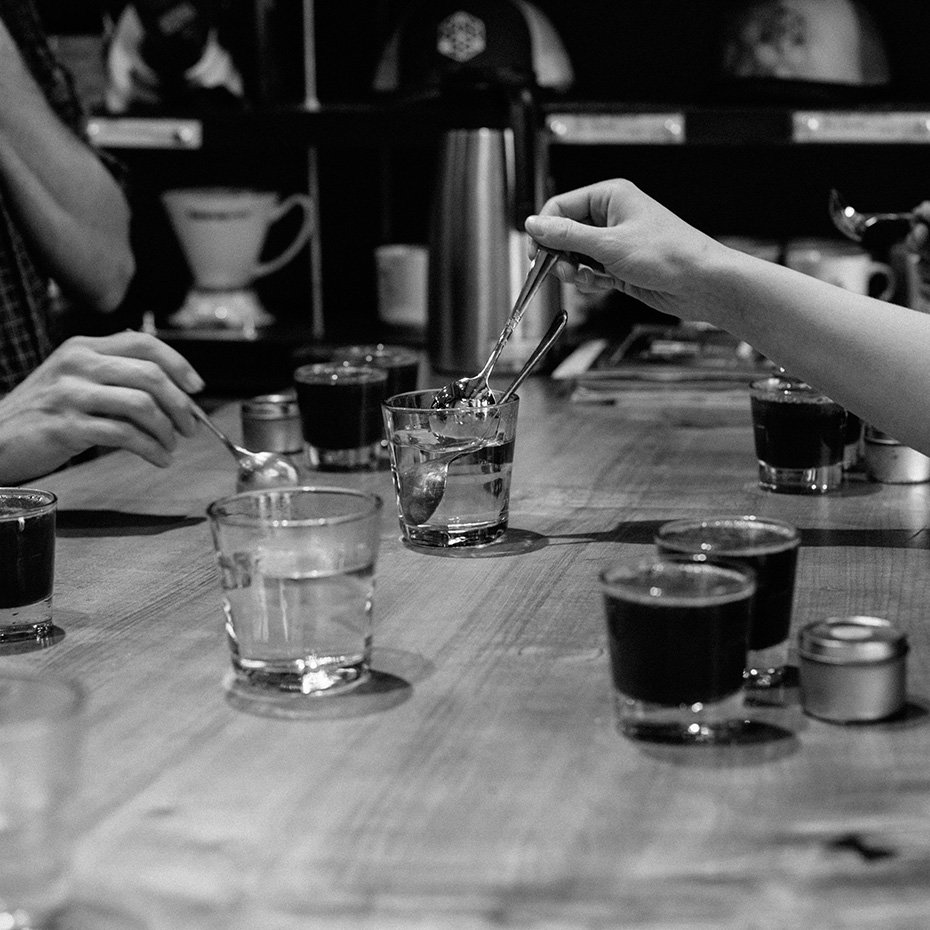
(147, 366)
(566, 235)
(149, 348)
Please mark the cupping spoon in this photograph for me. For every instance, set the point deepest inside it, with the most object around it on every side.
(474, 391)
(854, 224)
(256, 469)
(423, 485)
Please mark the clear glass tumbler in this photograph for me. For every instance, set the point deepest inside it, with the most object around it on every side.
(297, 567)
(27, 562)
(40, 737)
(767, 547)
(340, 412)
(677, 631)
(800, 437)
(451, 469)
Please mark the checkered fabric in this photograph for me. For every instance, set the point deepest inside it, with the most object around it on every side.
(25, 321)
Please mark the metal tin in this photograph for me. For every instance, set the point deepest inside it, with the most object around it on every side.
(888, 462)
(271, 423)
(852, 669)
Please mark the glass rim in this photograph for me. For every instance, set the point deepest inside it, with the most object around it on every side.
(355, 372)
(792, 535)
(378, 349)
(775, 385)
(375, 504)
(48, 503)
(423, 392)
(745, 581)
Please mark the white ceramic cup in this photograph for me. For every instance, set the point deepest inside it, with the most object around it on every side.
(402, 283)
(841, 263)
(222, 231)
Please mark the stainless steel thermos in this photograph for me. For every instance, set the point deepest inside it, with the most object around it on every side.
(478, 255)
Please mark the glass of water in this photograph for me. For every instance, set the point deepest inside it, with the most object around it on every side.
(40, 735)
(451, 468)
(297, 567)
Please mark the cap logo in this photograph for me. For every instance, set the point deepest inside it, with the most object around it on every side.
(461, 36)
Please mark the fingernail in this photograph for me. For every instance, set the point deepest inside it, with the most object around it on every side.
(194, 383)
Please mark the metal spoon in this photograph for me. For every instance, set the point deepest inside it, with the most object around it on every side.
(474, 391)
(423, 485)
(256, 469)
(853, 223)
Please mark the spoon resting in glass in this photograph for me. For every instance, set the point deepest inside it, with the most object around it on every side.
(422, 487)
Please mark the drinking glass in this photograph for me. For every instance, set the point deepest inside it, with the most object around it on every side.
(27, 562)
(297, 567)
(402, 365)
(767, 547)
(340, 413)
(451, 469)
(800, 437)
(40, 737)
(677, 631)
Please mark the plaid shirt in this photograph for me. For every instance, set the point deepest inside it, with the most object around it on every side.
(25, 312)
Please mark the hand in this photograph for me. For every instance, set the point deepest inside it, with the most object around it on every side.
(644, 249)
(126, 391)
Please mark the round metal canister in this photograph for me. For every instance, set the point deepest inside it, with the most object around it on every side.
(271, 423)
(888, 462)
(852, 669)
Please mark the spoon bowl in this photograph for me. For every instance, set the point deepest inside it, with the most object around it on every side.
(256, 469)
(854, 224)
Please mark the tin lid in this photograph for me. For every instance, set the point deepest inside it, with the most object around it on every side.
(271, 406)
(847, 640)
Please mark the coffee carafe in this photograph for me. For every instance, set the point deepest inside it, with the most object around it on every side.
(484, 61)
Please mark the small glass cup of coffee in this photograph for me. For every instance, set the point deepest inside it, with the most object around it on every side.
(769, 549)
(800, 436)
(677, 631)
(340, 413)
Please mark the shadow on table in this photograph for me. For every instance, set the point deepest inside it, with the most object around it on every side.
(81, 523)
(642, 532)
(390, 684)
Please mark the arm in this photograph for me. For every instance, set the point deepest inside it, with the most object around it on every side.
(126, 391)
(70, 208)
(870, 356)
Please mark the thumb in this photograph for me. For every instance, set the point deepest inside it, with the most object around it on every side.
(565, 235)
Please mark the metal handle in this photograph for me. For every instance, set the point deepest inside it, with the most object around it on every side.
(542, 265)
(553, 333)
(200, 415)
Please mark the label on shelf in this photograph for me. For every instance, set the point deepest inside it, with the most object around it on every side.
(884, 128)
(145, 132)
(617, 128)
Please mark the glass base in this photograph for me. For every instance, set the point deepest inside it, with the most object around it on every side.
(327, 675)
(365, 458)
(31, 621)
(452, 537)
(711, 723)
(767, 668)
(801, 480)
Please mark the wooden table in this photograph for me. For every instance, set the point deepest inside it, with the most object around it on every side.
(480, 783)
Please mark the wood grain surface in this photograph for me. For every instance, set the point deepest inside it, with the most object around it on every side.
(479, 781)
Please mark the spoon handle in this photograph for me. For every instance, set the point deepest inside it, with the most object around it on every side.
(545, 344)
(542, 265)
(223, 438)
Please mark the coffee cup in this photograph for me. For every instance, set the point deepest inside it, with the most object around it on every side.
(222, 231)
(843, 264)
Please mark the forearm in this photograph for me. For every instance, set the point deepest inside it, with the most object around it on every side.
(69, 207)
(871, 356)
